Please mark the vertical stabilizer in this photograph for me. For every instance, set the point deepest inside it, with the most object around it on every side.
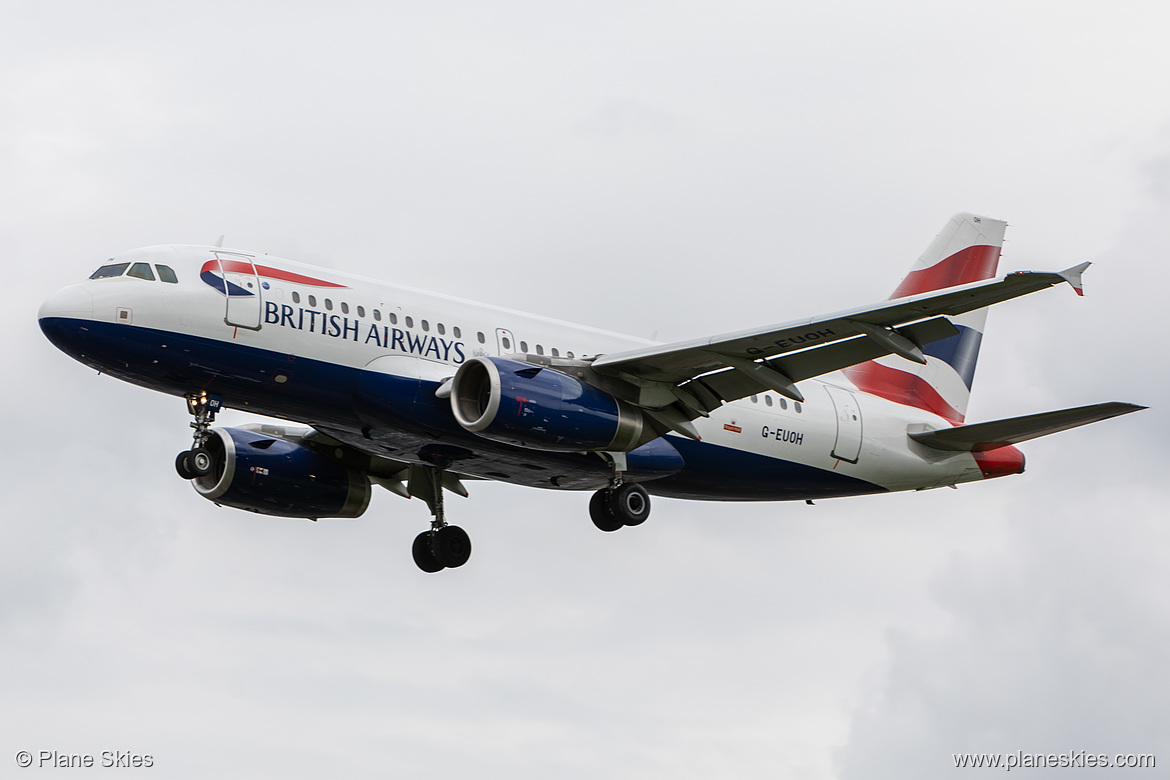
(966, 250)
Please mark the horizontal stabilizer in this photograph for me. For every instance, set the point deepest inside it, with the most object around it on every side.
(981, 437)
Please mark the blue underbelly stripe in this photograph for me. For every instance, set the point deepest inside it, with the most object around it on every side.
(354, 402)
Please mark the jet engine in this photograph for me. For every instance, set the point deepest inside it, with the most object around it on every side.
(541, 408)
(274, 476)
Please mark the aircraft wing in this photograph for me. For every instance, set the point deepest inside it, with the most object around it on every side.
(733, 365)
(399, 477)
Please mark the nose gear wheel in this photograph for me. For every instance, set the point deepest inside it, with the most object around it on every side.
(198, 461)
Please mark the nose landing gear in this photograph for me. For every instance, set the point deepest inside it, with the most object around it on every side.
(198, 461)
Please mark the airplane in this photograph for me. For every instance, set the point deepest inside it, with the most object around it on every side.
(420, 393)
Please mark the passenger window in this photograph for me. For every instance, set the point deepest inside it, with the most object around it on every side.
(313, 301)
(378, 314)
(456, 333)
(426, 326)
(783, 403)
(110, 271)
(141, 271)
(523, 346)
(796, 406)
(755, 400)
(361, 312)
(539, 350)
(768, 400)
(296, 297)
(555, 353)
(344, 307)
(479, 337)
(410, 322)
(393, 318)
(328, 304)
(570, 355)
(441, 329)
(167, 274)
(507, 343)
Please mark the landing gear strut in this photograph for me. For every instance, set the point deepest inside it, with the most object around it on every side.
(620, 504)
(444, 546)
(198, 461)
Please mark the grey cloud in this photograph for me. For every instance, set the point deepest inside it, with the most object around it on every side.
(764, 163)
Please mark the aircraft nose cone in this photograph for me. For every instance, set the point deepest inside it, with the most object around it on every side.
(73, 301)
(65, 316)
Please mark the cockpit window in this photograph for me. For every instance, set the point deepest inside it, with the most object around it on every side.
(110, 271)
(141, 271)
(166, 274)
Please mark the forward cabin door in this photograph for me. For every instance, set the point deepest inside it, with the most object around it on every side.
(242, 288)
(848, 444)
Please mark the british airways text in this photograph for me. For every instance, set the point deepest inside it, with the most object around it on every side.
(339, 327)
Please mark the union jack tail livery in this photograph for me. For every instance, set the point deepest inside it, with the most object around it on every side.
(966, 250)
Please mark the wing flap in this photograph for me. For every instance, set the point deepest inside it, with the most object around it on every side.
(733, 384)
(982, 437)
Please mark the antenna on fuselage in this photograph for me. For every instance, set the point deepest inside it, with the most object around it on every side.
(219, 242)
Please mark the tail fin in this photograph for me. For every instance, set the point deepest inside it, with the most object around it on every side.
(966, 250)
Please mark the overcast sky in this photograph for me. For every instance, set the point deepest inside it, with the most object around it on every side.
(660, 169)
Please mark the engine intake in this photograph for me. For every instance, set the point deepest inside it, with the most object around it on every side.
(273, 476)
(541, 408)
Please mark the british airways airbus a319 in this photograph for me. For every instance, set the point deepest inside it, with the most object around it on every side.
(419, 393)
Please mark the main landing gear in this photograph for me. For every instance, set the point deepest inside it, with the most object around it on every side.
(198, 461)
(613, 508)
(620, 504)
(444, 546)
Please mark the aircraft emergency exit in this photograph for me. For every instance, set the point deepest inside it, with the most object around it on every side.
(420, 393)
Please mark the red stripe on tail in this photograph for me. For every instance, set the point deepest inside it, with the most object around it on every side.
(901, 388)
(973, 264)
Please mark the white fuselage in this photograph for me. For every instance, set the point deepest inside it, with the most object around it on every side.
(332, 321)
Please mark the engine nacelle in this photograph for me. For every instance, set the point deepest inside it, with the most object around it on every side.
(274, 476)
(542, 408)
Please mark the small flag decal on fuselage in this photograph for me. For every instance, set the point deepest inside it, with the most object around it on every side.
(731, 426)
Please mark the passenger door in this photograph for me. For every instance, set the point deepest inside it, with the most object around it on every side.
(243, 291)
(847, 447)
